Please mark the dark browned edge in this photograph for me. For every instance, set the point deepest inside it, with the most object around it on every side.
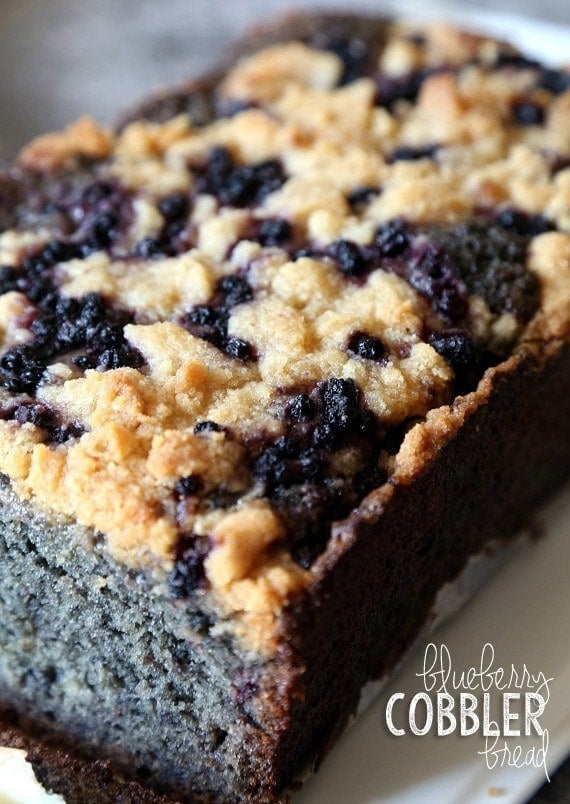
(377, 581)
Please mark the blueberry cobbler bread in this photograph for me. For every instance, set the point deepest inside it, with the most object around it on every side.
(278, 356)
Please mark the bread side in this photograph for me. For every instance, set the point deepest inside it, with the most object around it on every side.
(229, 636)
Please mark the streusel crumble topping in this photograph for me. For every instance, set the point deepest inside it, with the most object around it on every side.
(214, 339)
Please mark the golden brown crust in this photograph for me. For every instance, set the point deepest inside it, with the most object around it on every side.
(83, 138)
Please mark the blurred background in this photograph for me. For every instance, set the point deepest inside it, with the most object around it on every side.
(63, 58)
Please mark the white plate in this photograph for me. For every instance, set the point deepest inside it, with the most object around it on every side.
(523, 612)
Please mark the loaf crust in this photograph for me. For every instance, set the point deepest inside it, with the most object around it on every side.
(392, 546)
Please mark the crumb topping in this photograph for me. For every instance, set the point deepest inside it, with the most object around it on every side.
(214, 340)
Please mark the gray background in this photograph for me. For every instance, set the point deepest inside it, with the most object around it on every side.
(63, 58)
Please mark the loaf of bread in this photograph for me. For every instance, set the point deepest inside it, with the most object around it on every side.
(278, 355)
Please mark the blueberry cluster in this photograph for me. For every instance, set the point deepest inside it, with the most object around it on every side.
(210, 321)
(172, 238)
(88, 325)
(431, 271)
(95, 216)
(40, 415)
(490, 259)
(447, 263)
(238, 185)
(297, 470)
(188, 574)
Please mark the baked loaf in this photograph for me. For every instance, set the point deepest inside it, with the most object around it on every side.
(278, 356)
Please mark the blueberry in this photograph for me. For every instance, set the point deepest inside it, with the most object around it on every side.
(431, 273)
(312, 465)
(36, 414)
(65, 432)
(457, 347)
(287, 447)
(104, 229)
(348, 257)
(524, 224)
(464, 356)
(41, 416)
(238, 185)
(8, 279)
(341, 402)
(301, 408)
(272, 469)
(554, 81)
(97, 192)
(208, 427)
(238, 349)
(22, 368)
(203, 315)
(173, 207)
(84, 362)
(118, 357)
(222, 497)
(355, 54)
(57, 251)
(407, 153)
(490, 259)
(527, 113)
(209, 323)
(274, 232)
(367, 346)
(149, 247)
(392, 238)
(305, 252)
(45, 327)
(34, 266)
(360, 197)
(187, 486)
(514, 59)
(235, 290)
(220, 161)
(389, 90)
(324, 435)
(188, 574)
